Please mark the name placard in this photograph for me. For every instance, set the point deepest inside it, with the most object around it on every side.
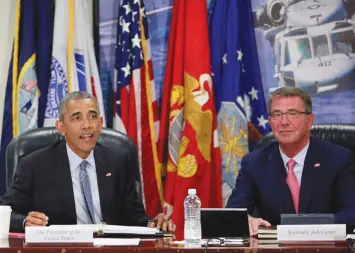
(58, 235)
(299, 233)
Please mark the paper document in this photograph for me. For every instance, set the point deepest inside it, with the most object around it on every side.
(116, 242)
(114, 229)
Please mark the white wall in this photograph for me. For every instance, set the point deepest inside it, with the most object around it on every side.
(7, 25)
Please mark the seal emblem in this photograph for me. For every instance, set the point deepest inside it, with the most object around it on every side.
(58, 88)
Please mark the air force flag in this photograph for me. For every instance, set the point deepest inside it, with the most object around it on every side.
(242, 114)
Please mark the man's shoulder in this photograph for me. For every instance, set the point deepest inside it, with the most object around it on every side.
(125, 147)
(261, 153)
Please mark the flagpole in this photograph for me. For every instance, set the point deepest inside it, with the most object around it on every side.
(96, 29)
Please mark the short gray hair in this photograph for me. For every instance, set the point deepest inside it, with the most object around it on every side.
(292, 91)
(74, 96)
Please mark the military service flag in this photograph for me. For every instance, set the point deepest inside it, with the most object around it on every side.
(188, 120)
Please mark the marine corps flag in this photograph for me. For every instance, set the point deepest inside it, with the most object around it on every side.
(188, 119)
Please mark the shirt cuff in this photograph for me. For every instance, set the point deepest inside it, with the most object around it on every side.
(23, 224)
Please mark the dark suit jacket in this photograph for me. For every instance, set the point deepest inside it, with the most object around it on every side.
(43, 183)
(328, 188)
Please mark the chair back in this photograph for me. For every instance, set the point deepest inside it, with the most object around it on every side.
(340, 134)
(39, 138)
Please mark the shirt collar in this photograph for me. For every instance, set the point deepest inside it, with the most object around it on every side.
(75, 160)
(299, 158)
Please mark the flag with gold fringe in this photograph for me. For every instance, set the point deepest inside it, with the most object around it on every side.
(188, 136)
(22, 93)
(73, 65)
(240, 102)
(136, 112)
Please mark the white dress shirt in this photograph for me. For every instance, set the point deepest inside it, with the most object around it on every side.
(82, 215)
(299, 158)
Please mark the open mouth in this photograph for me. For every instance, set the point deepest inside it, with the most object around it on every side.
(86, 137)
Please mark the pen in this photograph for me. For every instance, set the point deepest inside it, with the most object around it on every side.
(152, 220)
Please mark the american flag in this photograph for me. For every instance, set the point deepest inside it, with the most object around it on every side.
(136, 112)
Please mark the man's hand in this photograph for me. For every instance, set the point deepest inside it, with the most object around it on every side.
(36, 219)
(255, 223)
(163, 222)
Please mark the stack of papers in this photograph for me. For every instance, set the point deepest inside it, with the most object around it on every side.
(267, 233)
(267, 236)
(116, 242)
(113, 229)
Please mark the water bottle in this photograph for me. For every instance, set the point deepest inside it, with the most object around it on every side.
(192, 228)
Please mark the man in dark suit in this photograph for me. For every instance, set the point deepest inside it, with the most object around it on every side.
(298, 173)
(77, 181)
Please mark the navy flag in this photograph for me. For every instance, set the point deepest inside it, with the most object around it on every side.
(242, 114)
(21, 99)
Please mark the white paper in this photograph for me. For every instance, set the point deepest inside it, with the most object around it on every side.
(115, 229)
(116, 242)
(350, 236)
(57, 234)
(316, 232)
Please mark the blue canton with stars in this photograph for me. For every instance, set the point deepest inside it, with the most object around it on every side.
(129, 54)
(235, 67)
(241, 109)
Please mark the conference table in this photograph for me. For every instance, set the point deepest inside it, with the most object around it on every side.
(17, 245)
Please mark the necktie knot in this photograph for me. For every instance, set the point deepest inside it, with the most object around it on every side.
(83, 165)
(291, 164)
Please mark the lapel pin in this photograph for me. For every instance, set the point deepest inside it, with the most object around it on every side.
(317, 165)
(108, 174)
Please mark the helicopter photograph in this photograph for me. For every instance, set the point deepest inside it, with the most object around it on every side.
(312, 42)
(309, 44)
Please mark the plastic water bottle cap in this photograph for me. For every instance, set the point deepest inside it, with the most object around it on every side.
(191, 191)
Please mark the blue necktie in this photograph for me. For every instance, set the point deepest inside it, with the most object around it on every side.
(86, 189)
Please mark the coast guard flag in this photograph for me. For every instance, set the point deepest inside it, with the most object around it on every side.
(136, 112)
(21, 99)
(188, 120)
(242, 114)
(73, 65)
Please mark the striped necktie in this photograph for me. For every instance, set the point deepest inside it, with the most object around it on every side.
(86, 189)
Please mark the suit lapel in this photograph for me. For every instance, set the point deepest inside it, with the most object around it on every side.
(278, 176)
(104, 180)
(63, 177)
(311, 170)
